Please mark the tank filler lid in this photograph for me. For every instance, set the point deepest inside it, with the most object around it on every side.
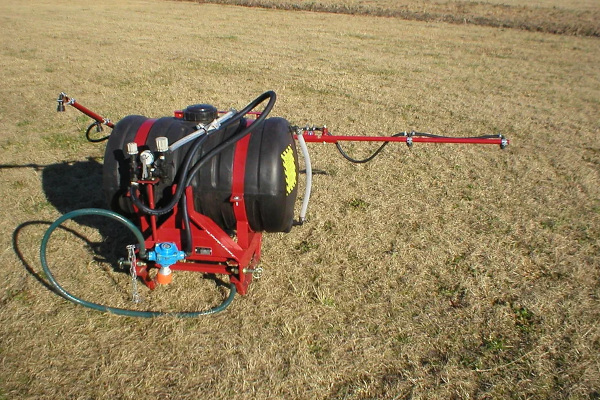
(202, 113)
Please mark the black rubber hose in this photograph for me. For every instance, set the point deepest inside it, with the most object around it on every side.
(369, 158)
(235, 138)
(187, 229)
(422, 134)
(180, 183)
(88, 132)
(205, 158)
(188, 174)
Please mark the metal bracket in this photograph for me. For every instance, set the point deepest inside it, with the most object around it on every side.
(409, 138)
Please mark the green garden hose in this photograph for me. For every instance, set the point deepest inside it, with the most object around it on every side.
(142, 253)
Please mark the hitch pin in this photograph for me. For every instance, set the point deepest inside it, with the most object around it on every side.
(256, 272)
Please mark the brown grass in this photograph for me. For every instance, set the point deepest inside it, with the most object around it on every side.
(434, 273)
(551, 16)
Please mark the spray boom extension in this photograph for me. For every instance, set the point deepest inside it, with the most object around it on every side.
(64, 99)
(322, 135)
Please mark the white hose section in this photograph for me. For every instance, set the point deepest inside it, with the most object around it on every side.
(308, 187)
(187, 139)
(216, 124)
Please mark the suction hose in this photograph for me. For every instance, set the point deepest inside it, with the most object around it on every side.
(142, 253)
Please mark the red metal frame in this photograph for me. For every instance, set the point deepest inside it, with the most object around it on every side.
(214, 251)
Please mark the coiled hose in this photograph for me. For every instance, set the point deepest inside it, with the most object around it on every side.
(142, 252)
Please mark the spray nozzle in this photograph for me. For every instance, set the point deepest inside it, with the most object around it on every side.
(61, 103)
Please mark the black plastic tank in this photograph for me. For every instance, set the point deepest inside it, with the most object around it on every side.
(270, 184)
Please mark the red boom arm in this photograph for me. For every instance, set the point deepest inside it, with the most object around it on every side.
(313, 135)
(64, 99)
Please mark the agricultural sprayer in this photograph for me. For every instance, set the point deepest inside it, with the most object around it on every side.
(198, 189)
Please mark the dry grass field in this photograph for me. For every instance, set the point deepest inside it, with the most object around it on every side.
(439, 272)
(573, 17)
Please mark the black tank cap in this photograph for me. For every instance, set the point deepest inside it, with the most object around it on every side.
(203, 113)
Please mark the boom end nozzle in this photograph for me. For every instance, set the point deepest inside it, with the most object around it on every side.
(61, 103)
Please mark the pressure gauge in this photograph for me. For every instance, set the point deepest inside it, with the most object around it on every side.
(146, 157)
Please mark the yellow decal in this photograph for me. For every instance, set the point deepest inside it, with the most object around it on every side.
(289, 169)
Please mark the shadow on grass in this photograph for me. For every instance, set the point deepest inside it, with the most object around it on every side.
(72, 185)
(69, 186)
